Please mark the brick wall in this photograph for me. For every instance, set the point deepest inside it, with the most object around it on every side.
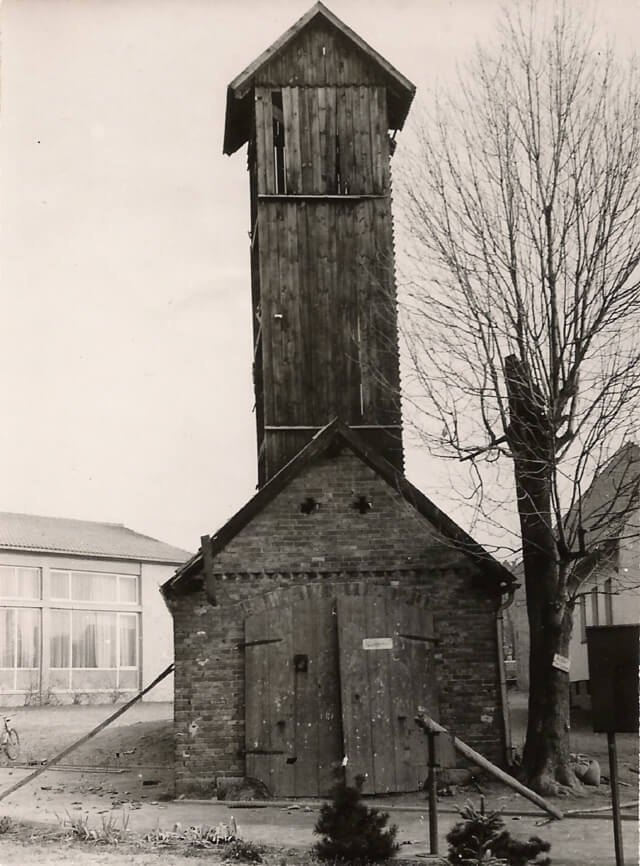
(281, 551)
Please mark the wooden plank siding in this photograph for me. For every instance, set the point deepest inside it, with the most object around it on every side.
(328, 319)
(318, 121)
(269, 700)
(382, 689)
(324, 294)
(293, 719)
(320, 55)
(329, 339)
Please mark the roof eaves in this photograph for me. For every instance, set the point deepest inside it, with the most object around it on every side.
(91, 554)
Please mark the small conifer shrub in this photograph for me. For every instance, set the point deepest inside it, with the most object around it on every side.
(351, 831)
(480, 840)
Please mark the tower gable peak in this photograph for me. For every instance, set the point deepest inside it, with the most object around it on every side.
(239, 104)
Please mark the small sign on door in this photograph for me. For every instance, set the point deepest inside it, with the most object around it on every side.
(376, 643)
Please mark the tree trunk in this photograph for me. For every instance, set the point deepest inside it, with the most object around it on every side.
(545, 764)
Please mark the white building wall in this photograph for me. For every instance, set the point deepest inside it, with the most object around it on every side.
(157, 631)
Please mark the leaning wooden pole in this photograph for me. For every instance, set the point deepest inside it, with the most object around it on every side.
(57, 758)
(428, 724)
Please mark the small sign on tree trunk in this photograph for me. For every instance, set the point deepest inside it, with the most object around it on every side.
(561, 662)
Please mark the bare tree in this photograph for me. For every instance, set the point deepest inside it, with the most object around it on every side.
(522, 319)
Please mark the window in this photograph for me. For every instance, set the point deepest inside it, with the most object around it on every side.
(19, 582)
(94, 586)
(128, 640)
(583, 619)
(84, 639)
(608, 602)
(19, 638)
(595, 614)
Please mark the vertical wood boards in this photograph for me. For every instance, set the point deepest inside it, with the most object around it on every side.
(318, 741)
(319, 55)
(291, 112)
(354, 690)
(264, 141)
(327, 131)
(326, 265)
(330, 737)
(385, 686)
(319, 687)
(269, 698)
(293, 720)
(328, 319)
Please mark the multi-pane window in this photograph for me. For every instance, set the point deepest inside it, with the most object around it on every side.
(86, 624)
(19, 582)
(93, 650)
(92, 586)
(19, 638)
(84, 639)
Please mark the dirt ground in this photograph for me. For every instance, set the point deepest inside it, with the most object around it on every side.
(126, 769)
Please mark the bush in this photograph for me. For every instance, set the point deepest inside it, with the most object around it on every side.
(352, 832)
(481, 840)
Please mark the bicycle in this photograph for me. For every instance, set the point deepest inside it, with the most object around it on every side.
(9, 740)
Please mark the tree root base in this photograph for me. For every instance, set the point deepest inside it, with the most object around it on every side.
(549, 786)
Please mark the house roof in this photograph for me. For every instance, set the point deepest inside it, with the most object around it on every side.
(237, 126)
(338, 434)
(37, 534)
(604, 510)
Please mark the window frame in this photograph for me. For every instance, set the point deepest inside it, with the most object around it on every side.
(15, 668)
(97, 602)
(608, 601)
(15, 569)
(118, 614)
(582, 603)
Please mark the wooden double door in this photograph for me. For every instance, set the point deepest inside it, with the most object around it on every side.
(339, 677)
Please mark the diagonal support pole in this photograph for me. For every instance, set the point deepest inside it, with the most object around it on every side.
(430, 726)
(57, 758)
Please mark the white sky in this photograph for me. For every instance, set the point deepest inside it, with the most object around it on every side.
(125, 326)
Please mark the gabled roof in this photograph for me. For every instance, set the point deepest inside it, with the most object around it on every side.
(31, 533)
(613, 495)
(237, 126)
(338, 434)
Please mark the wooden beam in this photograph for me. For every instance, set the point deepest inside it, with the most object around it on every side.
(430, 726)
(207, 560)
(57, 758)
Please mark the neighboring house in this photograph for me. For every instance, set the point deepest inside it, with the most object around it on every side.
(609, 594)
(81, 618)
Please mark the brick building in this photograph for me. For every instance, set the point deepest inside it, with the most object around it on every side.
(339, 598)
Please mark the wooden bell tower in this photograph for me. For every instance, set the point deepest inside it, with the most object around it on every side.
(317, 109)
